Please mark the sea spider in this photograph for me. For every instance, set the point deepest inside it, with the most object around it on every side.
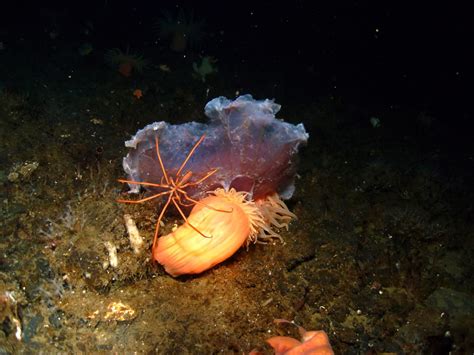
(175, 187)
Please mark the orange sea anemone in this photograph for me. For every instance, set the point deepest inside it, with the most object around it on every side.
(126, 63)
(138, 94)
(312, 343)
(228, 220)
(125, 69)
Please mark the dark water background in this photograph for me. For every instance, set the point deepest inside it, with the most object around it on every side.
(381, 254)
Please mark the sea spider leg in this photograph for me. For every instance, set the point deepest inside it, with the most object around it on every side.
(162, 213)
(196, 202)
(186, 220)
(180, 188)
(193, 201)
(143, 183)
(146, 184)
(191, 152)
(161, 161)
(146, 198)
(212, 172)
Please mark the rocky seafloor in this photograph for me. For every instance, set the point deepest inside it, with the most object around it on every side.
(379, 258)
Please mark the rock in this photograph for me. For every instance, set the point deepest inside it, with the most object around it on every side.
(22, 171)
(455, 303)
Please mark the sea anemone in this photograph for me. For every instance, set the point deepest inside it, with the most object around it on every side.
(125, 63)
(312, 342)
(228, 220)
(182, 29)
